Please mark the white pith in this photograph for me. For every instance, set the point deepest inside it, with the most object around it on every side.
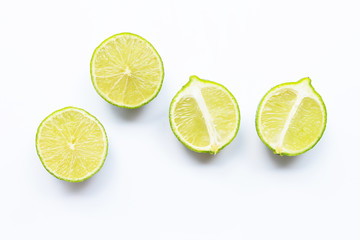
(302, 89)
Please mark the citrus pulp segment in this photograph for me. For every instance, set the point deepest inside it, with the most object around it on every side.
(291, 118)
(126, 70)
(72, 144)
(204, 116)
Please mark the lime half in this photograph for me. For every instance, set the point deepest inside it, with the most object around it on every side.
(126, 70)
(72, 144)
(204, 116)
(291, 118)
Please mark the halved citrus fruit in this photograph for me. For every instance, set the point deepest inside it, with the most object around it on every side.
(291, 118)
(72, 144)
(204, 116)
(126, 70)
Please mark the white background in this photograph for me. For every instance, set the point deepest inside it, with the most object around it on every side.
(151, 186)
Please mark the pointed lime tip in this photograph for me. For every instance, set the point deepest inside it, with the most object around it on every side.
(194, 78)
(305, 80)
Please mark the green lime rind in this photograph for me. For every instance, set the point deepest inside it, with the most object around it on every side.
(261, 103)
(173, 127)
(109, 100)
(41, 159)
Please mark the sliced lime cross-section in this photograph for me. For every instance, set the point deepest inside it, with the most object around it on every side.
(126, 70)
(291, 118)
(204, 116)
(72, 144)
